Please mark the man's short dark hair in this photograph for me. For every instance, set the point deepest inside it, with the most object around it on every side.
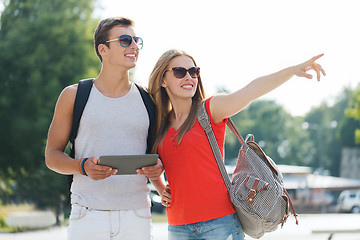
(102, 30)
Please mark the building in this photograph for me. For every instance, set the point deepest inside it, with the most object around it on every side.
(350, 163)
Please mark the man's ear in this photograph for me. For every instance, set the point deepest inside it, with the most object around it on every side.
(102, 48)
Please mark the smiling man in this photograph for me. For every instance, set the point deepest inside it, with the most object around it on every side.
(115, 121)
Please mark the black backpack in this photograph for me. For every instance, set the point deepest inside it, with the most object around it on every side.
(82, 96)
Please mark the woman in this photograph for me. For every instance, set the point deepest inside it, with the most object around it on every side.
(199, 206)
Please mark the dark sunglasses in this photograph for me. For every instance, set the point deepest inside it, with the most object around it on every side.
(180, 72)
(126, 40)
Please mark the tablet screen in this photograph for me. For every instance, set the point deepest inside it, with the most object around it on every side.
(127, 164)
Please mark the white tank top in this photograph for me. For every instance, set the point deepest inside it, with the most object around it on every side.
(112, 126)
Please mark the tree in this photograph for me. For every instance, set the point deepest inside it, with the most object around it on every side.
(277, 132)
(353, 111)
(335, 129)
(45, 46)
(338, 111)
(318, 124)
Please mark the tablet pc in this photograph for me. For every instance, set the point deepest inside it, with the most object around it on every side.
(127, 164)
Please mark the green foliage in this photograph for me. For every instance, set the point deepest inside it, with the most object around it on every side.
(353, 111)
(347, 131)
(321, 134)
(2, 222)
(333, 136)
(276, 131)
(45, 46)
(297, 143)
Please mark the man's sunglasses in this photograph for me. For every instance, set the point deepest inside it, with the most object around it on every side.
(180, 72)
(126, 40)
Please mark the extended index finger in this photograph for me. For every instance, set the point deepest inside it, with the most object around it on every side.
(313, 59)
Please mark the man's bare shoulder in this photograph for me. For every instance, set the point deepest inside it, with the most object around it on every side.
(69, 91)
(67, 96)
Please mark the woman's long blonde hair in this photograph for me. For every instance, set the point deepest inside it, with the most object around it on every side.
(162, 101)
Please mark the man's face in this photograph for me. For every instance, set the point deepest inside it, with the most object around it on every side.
(123, 57)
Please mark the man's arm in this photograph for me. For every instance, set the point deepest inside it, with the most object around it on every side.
(58, 137)
(59, 133)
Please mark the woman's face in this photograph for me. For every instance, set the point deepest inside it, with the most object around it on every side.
(183, 87)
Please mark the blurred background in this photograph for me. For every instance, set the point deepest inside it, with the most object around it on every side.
(311, 129)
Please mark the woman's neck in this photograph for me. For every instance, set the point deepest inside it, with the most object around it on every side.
(180, 112)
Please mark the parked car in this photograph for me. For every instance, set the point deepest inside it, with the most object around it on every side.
(156, 205)
(349, 201)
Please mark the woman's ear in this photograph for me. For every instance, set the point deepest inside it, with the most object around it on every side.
(163, 84)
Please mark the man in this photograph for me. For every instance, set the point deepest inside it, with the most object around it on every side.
(114, 122)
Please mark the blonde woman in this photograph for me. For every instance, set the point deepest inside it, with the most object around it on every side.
(197, 201)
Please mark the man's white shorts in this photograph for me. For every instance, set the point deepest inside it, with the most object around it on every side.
(85, 223)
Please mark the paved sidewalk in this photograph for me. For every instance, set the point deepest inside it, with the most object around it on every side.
(308, 225)
(318, 227)
(60, 233)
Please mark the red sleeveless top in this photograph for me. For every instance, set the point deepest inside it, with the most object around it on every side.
(198, 192)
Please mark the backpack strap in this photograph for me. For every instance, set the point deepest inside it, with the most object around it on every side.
(82, 96)
(150, 107)
(204, 121)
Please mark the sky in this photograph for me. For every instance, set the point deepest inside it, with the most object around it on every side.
(236, 41)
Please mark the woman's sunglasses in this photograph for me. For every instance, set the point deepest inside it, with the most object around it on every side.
(126, 40)
(180, 72)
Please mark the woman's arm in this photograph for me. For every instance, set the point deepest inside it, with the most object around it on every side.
(224, 106)
(152, 172)
(164, 191)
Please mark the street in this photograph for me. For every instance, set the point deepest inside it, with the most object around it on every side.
(311, 227)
